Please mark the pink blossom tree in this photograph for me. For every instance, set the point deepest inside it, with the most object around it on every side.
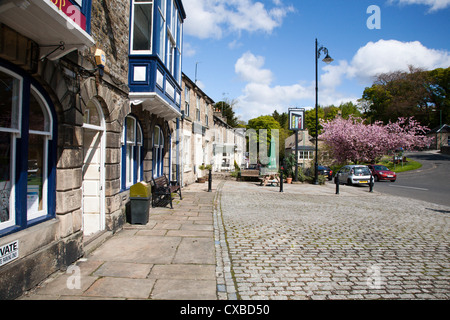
(352, 140)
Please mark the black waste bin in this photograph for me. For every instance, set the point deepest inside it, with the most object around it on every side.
(140, 199)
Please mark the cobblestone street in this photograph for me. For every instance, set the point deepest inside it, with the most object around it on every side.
(308, 243)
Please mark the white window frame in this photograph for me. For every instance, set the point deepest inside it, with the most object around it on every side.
(187, 154)
(14, 135)
(197, 109)
(12, 208)
(187, 100)
(130, 159)
(132, 50)
(158, 148)
(171, 56)
(162, 32)
(47, 137)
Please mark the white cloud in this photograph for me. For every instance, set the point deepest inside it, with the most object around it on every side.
(213, 18)
(188, 50)
(382, 57)
(434, 5)
(249, 68)
(261, 97)
(235, 44)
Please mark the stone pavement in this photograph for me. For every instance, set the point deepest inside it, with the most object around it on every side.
(170, 258)
(308, 243)
(243, 241)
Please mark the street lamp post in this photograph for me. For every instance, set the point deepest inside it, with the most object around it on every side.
(327, 60)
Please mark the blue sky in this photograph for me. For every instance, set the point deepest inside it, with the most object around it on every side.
(260, 53)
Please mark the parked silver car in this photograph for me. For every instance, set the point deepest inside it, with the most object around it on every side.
(354, 174)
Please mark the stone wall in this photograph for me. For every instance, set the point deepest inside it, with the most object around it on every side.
(71, 83)
(110, 29)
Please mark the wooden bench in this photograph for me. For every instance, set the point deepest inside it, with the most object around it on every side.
(162, 191)
(249, 174)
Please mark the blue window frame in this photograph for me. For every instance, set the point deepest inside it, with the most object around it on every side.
(27, 151)
(132, 154)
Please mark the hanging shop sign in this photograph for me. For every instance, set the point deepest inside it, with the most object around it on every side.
(297, 119)
(72, 11)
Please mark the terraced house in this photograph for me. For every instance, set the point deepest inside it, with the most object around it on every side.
(90, 95)
(197, 131)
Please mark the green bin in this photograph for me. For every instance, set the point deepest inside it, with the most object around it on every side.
(140, 199)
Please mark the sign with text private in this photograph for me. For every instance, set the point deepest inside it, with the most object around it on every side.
(9, 252)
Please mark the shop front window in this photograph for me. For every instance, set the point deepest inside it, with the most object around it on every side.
(9, 106)
(5, 177)
(23, 150)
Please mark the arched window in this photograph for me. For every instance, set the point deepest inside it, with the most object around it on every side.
(132, 141)
(39, 135)
(158, 152)
(27, 153)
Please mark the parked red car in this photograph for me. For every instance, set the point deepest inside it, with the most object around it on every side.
(381, 172)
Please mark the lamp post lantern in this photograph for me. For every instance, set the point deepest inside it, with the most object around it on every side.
(327, 60)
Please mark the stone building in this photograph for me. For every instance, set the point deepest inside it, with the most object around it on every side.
(206, 138)
(196, 131)
(229, 144)
(306, 148)
(441, 136)
(89, 95)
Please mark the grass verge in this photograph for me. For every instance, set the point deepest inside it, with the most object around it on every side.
(407, 166)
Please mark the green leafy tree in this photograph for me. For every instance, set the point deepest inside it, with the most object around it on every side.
(349, 109)
(283, 120)
(310, 120)
(423, 95)
(264, 122)
(226, 108)
(440, 95)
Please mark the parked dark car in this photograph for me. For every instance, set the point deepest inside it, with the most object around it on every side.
(325, 171)
(381, 172)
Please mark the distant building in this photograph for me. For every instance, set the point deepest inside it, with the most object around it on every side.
(441, 136)
(229, 144)
(306, 148)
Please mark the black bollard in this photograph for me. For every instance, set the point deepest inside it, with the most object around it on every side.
(210, 181)
(371, 183)
(337, 183)
(281, 180)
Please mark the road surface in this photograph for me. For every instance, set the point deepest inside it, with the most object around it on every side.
(430, 183)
